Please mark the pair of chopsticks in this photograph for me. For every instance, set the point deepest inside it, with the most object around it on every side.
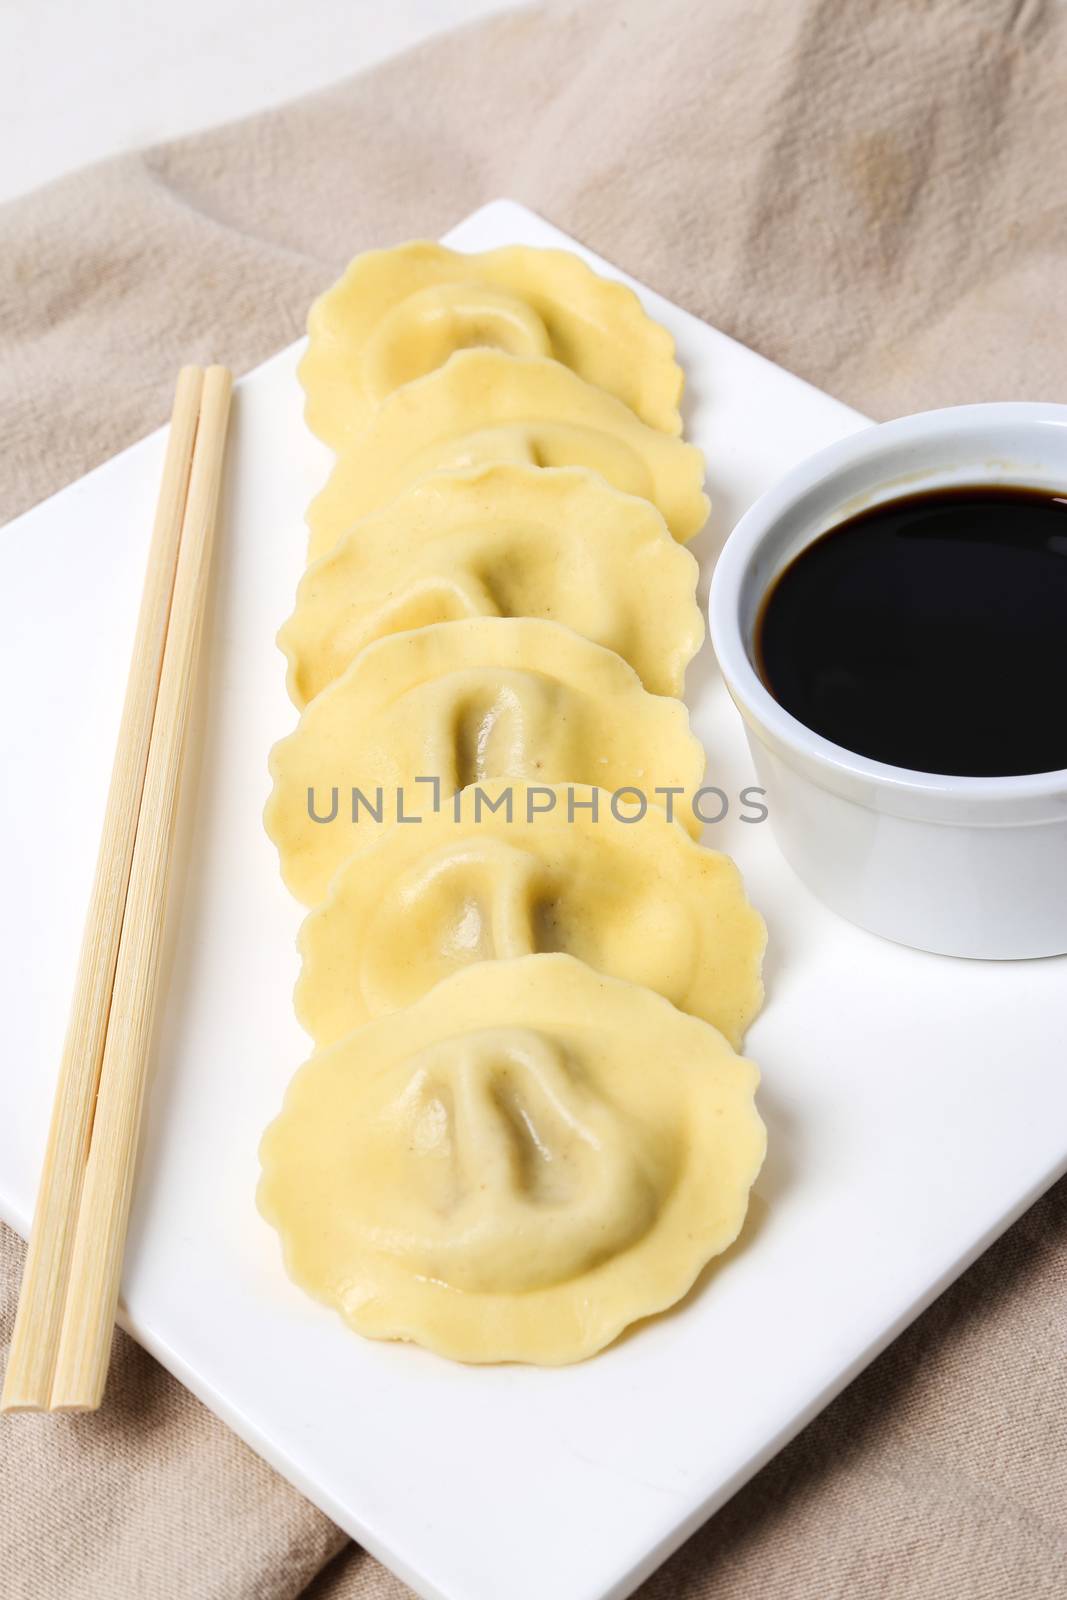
(63, 1330)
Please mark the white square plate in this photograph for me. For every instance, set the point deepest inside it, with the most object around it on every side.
(915, 1104)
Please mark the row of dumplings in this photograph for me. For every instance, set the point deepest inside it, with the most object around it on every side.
(524, 1125)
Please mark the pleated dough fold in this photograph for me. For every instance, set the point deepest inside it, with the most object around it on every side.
(637, 899)
(485, 406)
(460, 703)
(396, 315)
(516, 1167)
(503, 540)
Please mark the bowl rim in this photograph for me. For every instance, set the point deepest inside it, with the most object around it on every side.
(786, 733)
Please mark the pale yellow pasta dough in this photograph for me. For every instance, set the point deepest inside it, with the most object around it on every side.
(465, 702)
(509, 541)
(637, 899)
(485, 406)
(398, 314)
(515, 1168)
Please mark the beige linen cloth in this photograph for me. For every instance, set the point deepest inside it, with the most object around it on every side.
(873, 195)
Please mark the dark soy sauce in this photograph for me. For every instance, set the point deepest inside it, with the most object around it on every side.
(930, 632)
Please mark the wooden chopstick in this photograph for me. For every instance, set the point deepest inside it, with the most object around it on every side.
(96, 1259)
(31, 1360)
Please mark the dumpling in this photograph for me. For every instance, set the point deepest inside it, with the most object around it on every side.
(460, 703)
(636, 899)
(398, 314)
(502, 541)
(485, 406)
(515, 1168)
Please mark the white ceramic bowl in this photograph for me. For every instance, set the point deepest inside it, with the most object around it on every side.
(962, 866)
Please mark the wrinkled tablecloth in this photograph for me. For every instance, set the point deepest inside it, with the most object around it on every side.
(872, 193)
